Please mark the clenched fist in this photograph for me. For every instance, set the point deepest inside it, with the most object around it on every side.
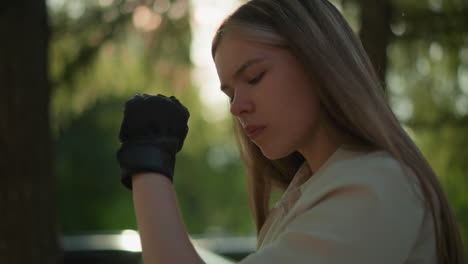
(153, 130)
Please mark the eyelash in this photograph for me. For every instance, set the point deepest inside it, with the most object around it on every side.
(254, 81)
(257, 79)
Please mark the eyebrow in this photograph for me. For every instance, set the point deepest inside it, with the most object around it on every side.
(241, 69)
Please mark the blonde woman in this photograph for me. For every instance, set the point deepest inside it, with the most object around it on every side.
(312, 120)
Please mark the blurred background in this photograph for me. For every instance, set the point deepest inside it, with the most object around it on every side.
(68, 66)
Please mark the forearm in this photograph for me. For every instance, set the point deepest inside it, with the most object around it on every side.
(163, 235)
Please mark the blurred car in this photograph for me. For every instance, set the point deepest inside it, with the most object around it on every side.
(124, 248)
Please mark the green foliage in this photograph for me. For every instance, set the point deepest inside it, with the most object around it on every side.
(428, 92)
(90, 195)
(100, 59)
(92, 198)
(211, 192)
(93, 79)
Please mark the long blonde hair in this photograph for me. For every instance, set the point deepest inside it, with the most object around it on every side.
(351, 95)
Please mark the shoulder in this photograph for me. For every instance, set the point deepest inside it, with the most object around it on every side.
(356, 208)
(375, 172)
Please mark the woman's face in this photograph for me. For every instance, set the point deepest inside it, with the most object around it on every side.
(268, 87)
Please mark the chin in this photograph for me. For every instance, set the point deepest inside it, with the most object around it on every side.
(275, 154)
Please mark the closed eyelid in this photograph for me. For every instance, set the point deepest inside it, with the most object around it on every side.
(251, 81)
(255, 71)
(257, 77)
(242, 70)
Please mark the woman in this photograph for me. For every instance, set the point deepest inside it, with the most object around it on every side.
(311, 119)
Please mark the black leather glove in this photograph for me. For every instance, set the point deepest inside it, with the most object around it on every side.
(153, 130)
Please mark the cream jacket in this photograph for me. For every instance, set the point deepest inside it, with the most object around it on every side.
(357, 208)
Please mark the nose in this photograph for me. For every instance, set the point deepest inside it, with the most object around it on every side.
(240, 106)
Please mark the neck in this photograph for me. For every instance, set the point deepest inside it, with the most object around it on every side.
(320, 146)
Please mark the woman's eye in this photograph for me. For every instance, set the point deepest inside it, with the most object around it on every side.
(257, 79)
(253, 81)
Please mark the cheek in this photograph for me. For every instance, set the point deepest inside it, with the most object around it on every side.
(293, 111)
(305, 114)
(295, 101)
(296, 117)
(301, 117)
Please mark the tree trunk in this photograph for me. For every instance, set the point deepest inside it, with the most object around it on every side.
(29, 230)
(375, 32)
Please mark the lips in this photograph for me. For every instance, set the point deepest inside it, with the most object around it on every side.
(254, 131)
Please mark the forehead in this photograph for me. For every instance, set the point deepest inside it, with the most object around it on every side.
(233, 51)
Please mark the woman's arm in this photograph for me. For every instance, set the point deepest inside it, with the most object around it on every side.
(162, 231)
